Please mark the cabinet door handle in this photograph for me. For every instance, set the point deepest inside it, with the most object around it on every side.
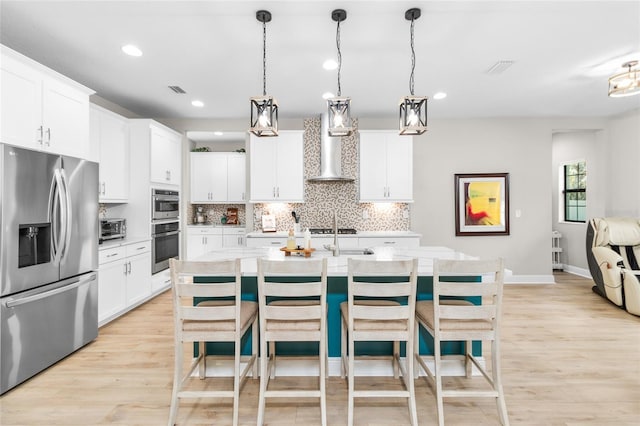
(389, 242)
(168, 175)
(112, 254)
(125, 268)
(274, 192)
(104, 188)
(48, 141)
(129, 267)
(275, 242)
(40, 130)
(278, 191)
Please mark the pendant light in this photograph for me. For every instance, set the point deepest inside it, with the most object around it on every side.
(339, 108)
(626, 83)
(264, 109)
(413, 109)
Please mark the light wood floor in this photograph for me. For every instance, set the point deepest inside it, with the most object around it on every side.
(569, 358)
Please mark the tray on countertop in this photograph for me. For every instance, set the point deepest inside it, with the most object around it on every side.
(301, 251)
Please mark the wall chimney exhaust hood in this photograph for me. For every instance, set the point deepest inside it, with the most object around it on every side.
(330, 156)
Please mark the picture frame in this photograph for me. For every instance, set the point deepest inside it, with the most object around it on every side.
(482, 204)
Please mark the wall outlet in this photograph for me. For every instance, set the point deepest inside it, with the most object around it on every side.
(365, 214)
(405, 214)
(518, 212)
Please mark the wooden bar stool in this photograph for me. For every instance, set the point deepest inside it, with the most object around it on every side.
(372, 312)
(298, 315)
(223, 317)
(461, 320)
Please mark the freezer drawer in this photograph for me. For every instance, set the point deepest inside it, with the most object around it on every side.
(42, 326)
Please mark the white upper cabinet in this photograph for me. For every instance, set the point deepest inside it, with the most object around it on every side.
(110, 134)
(386, 167)
(277, 170)
(218, 177)
(165, 155)
(42, 109)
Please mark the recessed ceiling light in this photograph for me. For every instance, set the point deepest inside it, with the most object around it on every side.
(131, 50)
(327, 95)
(218, 133)
(197, 103)
(330, 64)
(440, 95)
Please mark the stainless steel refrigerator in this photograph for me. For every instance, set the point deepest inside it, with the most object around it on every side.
(48, 260)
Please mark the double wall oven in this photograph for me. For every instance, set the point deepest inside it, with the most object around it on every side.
(165, 228)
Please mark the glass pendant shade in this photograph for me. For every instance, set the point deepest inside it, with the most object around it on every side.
(264, 116)
(413, 115)
(626, 83)
(339, 109)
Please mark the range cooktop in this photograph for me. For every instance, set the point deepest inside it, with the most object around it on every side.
(330, 231)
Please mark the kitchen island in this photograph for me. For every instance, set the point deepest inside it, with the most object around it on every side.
(337, 290)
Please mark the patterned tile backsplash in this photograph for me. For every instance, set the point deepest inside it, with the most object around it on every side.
(322, 198)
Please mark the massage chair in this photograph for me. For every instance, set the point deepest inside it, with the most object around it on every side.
(613, 253)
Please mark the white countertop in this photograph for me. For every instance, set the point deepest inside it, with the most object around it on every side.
(337, 266)
(365, 234)
(123, 242)
(211, 225)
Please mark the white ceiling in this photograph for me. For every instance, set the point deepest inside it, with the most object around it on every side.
(563, 53)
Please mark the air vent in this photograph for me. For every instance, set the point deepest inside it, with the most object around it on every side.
(177, 89)
(499, 67)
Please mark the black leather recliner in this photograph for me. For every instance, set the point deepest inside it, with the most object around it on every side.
(613, 253)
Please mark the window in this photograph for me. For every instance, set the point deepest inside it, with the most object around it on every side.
(575, 192)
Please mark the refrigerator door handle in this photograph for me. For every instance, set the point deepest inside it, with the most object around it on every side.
(56, 205)
(67, 218)
(39, 296)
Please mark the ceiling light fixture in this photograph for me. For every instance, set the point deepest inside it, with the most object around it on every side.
(131, 50)
(264, 109)
(413, 109)
(198, 104)
(626, 83)
(329, 65)
(339, 107)
(440, 95)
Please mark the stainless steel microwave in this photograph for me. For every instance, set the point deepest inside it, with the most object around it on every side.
(111, 229)
(165, 204)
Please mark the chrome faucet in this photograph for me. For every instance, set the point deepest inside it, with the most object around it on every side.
(334, 248)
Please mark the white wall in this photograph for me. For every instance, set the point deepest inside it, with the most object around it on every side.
(568, 147)
(623, 187)
(519, 147)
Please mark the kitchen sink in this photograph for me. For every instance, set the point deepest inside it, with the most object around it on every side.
(352, 252)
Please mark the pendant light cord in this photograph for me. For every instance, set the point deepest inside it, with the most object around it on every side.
(413, 60)
(264, 59)
(339, 56)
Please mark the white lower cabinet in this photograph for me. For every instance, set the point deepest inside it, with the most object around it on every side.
(124, 279)
(267, 242)
(202, 239)
(233, 237)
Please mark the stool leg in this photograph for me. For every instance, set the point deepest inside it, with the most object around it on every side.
(264, 379)
(497, 382)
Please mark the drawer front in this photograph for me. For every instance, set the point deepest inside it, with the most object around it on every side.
(234, 231)
(266, 242)
(204, 231)
(109, 255)
(138, 248)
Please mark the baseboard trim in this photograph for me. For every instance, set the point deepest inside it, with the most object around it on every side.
(529, 279)
(578, 271)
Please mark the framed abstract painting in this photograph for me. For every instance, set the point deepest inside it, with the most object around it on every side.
(482, 204)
